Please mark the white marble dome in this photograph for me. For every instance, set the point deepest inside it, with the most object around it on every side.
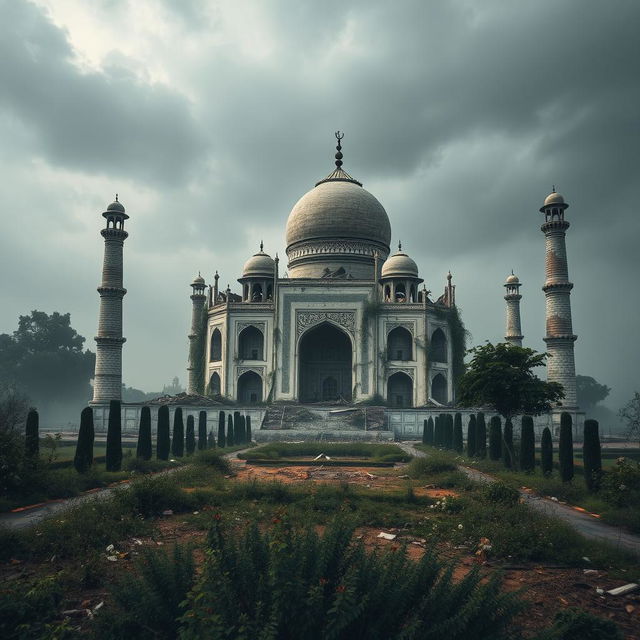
(260, 264)
(553, 198)
(338, 209)
(399, 265)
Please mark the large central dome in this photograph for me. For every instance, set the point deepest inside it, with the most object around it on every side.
(335, 229)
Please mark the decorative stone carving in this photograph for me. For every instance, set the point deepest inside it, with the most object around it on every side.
(307, 319)
(259, 370)
(408, 370)
(409, 326)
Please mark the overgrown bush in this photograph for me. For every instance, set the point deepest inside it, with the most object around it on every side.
(546, 452)
(113, 461)
(501, 493)
(527, 445)
(295, 584)
(163, 442)
(435, 463)
(150, 496)
(148, 602)
(565, 447)
(213, 458)
(621, 483)
(83, 459)
(577, 623)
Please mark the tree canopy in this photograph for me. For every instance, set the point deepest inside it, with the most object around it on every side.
(44, 358)
(590, 392)
(501, 377)
(630, 414)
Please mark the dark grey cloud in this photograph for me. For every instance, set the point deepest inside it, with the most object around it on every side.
(459, 117)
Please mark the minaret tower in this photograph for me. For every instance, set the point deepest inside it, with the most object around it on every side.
(557, 290)
(513, 297)
(107, 383)
(198, 298)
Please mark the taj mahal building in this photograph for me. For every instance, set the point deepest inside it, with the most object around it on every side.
(349, 320)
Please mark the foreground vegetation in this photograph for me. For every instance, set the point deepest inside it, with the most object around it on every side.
(279, 451)
(266, 563)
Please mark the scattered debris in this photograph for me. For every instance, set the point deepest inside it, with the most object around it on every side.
(554, 499)
(599, 591)
(624, 589)
(586, 559)
(112, 558)
(137, 541)
(403, 477)
(590, 572)
(629, 608)
(98, 606)
(110, 548)
(77, 613)
(370, 475)
(167, 512)
(387, 536)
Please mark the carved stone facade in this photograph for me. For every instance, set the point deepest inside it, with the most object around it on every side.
(307, 319)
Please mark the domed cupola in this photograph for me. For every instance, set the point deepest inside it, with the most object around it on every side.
(257, 277)
(399, 278)
(337, 228)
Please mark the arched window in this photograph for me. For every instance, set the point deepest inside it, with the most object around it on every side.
(250, 344)
(216, 346)
(439, 389)
(401, 294)
(412, 293)
(387, 293)
(214, 384)
(400, 390)
(256, 293)
(399, 344)
(438, 349)
(249, 388)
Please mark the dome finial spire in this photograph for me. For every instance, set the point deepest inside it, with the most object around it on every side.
(339, 156)
(399, 245)
(116, 197)
(261, 245)
(553, 188)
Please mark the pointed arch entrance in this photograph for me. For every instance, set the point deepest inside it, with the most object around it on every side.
(325, 358)
(400, 390)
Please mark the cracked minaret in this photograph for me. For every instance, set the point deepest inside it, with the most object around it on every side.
(108, 376)
(198, 298)
(557, 290)
(513, 297)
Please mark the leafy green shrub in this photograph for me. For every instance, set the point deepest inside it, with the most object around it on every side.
(621, 483)
(144, 449)
(592, 455)
(546, 452)
(83, 459)
(565, 447)
(213, 458)
(295, 584)
(191, 436)
(149, 497)
(177, 443)
(202, 430)
(163, 443)
(148, 603)
(495, 438)
(32, 434)
(501, 493)
(527, 445)
(140, 465)
(377, 452)
(431, 465)
(471, 436)
(113, 460)
(577, 623)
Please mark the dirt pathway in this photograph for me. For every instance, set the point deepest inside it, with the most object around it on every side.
(584, 523)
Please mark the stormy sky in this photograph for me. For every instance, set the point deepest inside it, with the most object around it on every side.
(210, 119)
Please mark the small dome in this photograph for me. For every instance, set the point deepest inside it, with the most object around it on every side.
(399, 265)
(553, 198)
(260, 264)
(116, 206)
(198, 280)
(512, 279)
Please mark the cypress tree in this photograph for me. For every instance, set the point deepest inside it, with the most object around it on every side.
(239, 432)
(449, 432)
(191, 435)
(565, 447)
(163, 443)
(144, 448)
(230, 433)
(443, 429)
(84, 448)
(471, 436)
(481, 436)
(457, 433)
(495, 438)
(248, 433)
(424, 431)
(114, 438)
(32, 435)
(436, 432)
(527, 445)
(592, 455)
(222, 438)
(430, 431)
(211, 441)
(177, 444)
(202, 430)
(507, 444)
(546, 453)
